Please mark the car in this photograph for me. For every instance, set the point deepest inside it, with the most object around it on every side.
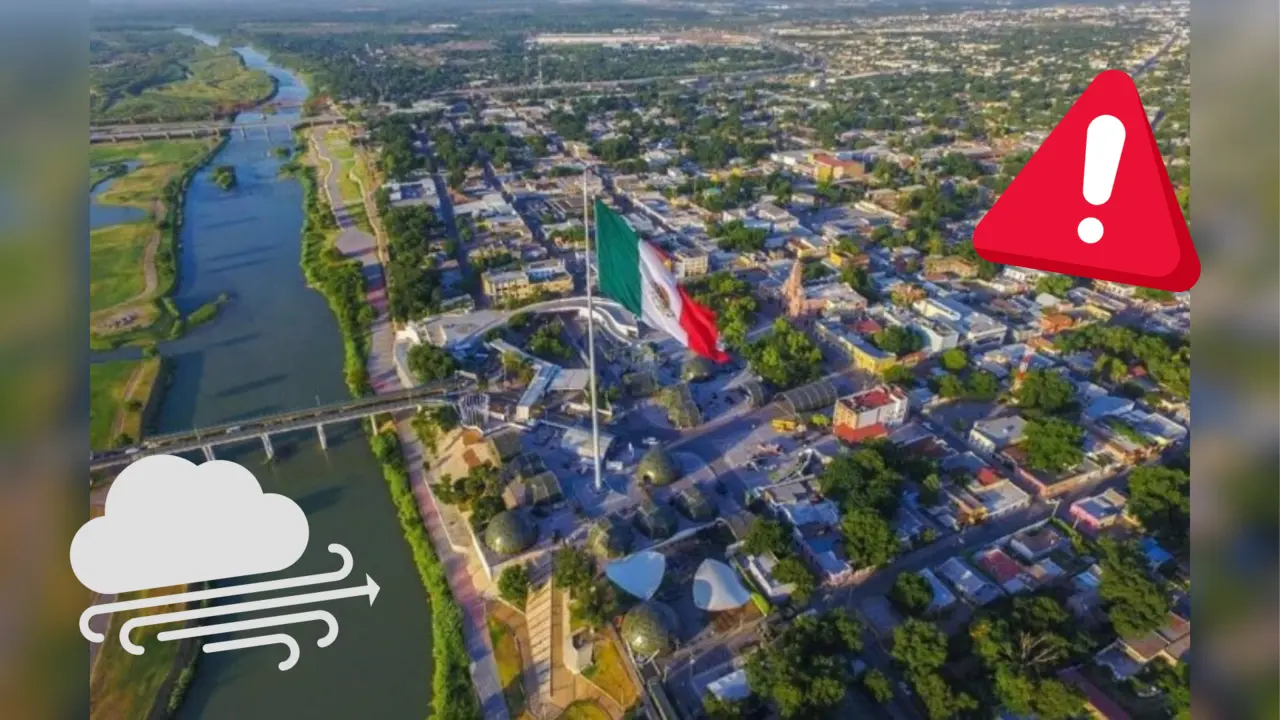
(233, 429)
(132, 451)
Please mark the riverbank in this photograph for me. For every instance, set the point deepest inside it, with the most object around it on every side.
(337, 278)
(121, 312)
(453, 694)
(123, 395)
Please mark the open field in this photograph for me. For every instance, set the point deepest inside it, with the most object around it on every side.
(129, 265)
(506, 652)
(197, 83)
(115, 260)
(584, 710)
(126, 686)
(610, 674)
(111, 411)
(159, 162)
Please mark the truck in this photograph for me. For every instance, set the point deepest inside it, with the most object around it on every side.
(787, 425)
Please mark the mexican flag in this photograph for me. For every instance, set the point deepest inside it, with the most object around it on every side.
(633, 272)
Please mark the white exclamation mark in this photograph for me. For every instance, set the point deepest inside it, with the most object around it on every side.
(1102, 145)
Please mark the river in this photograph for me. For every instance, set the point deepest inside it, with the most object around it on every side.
(276, 347)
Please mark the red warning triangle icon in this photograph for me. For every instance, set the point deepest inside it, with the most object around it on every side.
(1095, 200)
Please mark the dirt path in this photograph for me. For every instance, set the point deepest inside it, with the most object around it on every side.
(150, 277)
(117, 425)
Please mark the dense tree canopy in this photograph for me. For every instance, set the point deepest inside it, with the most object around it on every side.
(1136, 602)
(430, 363)
(1166, 360)
(733, 303)
(1160, 497)
(898, 340)
(806, 671)
(786, 357)
(513, 585)
(911, 593)
(919, 646)
(869, 541)
(1046, 391)
(1053, 445)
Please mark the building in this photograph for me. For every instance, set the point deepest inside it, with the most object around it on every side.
(950, 265)
(995, 434)
(548, 277)
(991, 496)
(827, 168)
(938, 335)
(1098, 512)
(862, 354)
(942, 597)
(968, 583)
(1127, 656)
(1036, 543)
(690, 263)
(761, 568)
(815, 524)
(1006, 571)
(883, 405)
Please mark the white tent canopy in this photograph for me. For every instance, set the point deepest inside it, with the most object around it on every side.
(716, 587)
(639, 574)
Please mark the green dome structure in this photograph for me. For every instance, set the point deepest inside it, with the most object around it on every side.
(610, 537)
(648, 629)
(509, 533)
(656, 468)
(657, 521)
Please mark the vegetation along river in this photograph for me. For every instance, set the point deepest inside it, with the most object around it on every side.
(277, 347)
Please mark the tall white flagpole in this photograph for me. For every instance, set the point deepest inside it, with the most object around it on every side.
(591, 333)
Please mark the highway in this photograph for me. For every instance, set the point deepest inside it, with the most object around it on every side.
(201, 128)
(255, 429)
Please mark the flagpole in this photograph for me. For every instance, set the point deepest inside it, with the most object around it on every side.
(591, 333)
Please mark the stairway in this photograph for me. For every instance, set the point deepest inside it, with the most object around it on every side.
(538, 618)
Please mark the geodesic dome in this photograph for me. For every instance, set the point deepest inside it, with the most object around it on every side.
(509, 533)
(657, 467)
(648, 628)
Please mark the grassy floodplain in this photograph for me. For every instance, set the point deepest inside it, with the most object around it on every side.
(161, 76)
(122, 685)
(119, 393)
(134, 264)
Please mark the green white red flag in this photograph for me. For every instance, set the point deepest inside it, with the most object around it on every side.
(633, 272)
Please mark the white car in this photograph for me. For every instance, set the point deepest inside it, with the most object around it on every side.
(650, 441)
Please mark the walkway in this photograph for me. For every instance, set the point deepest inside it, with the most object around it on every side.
(382, 377)
(360, 245)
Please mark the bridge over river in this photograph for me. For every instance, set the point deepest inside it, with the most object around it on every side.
(262, 428)
(205, 128)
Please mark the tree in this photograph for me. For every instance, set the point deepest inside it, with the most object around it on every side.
(513, 585)
(940, 702)
(898, 340)
(911, 593)
(1160, 497)
(877, 685)
(919, 646)
(767, 536)
(931, 490)
(574, 568)
(954, 360)
(899, 375)
(1055, 284)
(1046, 391)
(805, 672)
(819, 420)
(429, 363)
(1053, 445)
(1136, 604)
(791, 570)
(1175, 682)
(862, 479)
(717, 709)
(786, 357)
(983, 385)
(951, 386)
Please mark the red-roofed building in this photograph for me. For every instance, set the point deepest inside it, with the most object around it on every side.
(988, 476)
(829, 167)
(1003, 569)
(867, 326)
(853, 436)
(882, 405)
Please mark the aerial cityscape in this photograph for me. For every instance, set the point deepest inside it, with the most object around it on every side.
(832, 464)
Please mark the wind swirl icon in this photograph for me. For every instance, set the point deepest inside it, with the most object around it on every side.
(370, 588)
(235, 530)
